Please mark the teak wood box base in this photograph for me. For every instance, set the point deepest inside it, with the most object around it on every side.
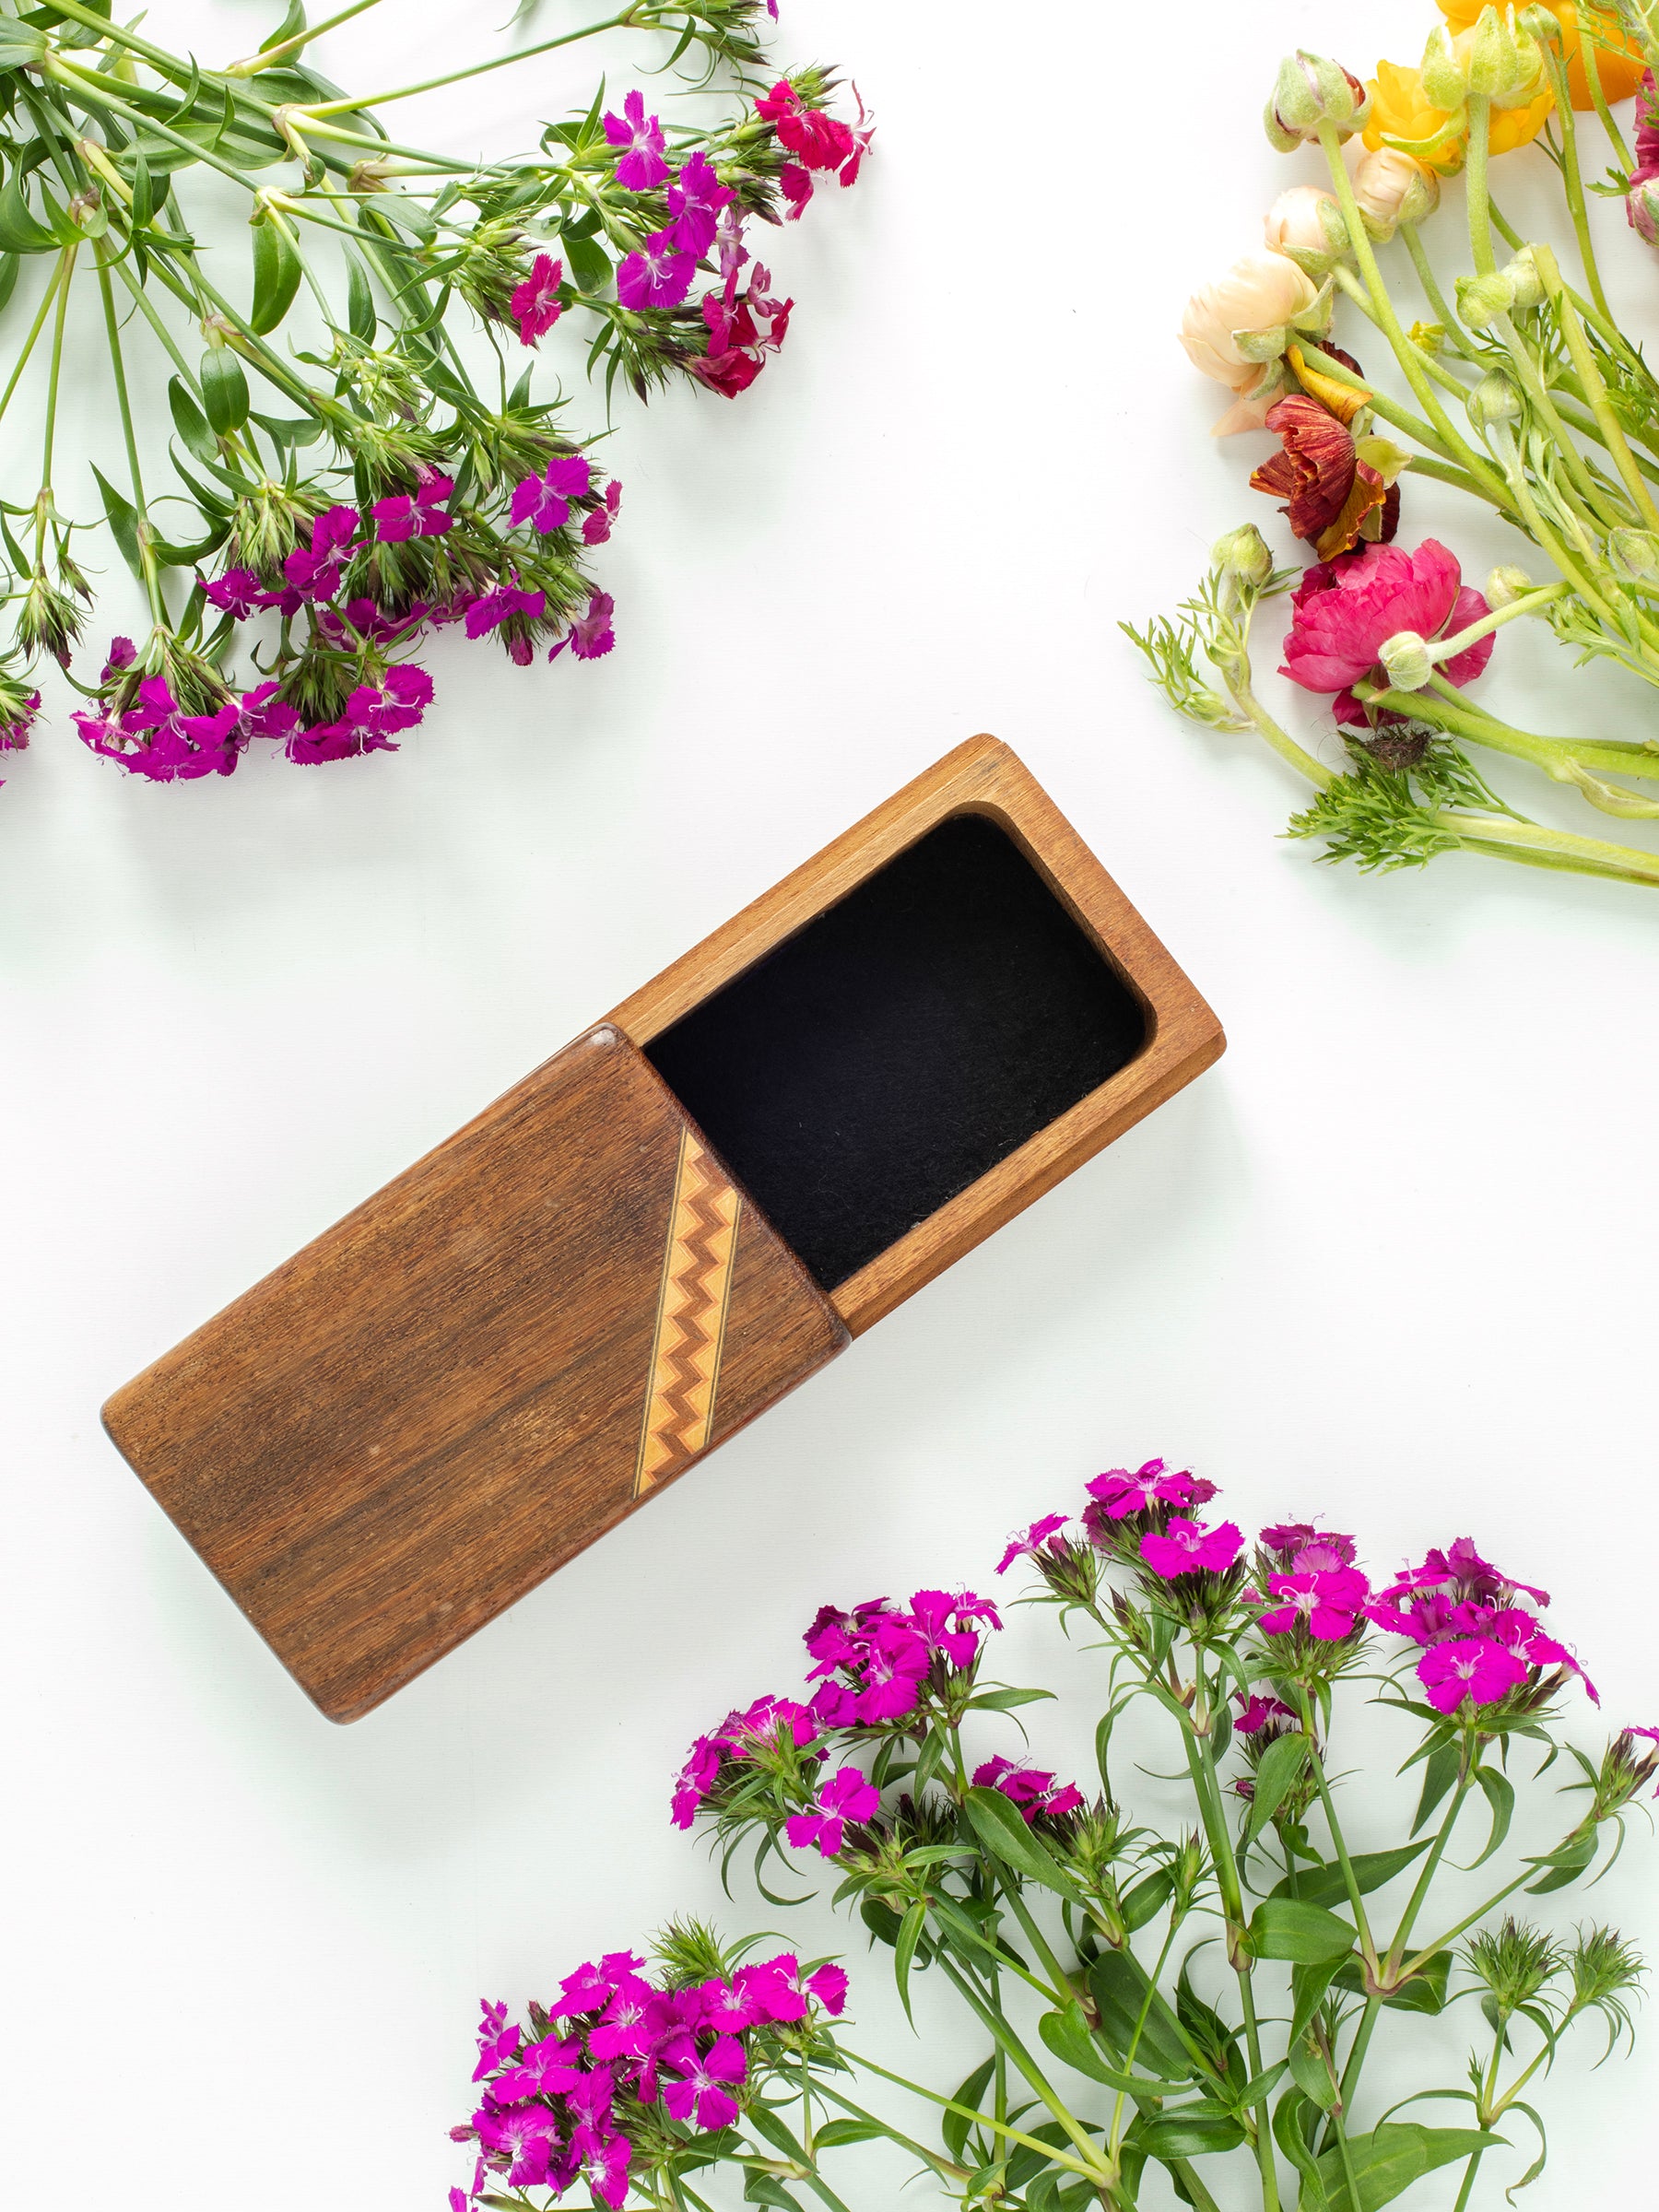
(662, 1229)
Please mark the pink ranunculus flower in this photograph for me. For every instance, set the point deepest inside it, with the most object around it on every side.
(1347, 609)
(1188, 1547)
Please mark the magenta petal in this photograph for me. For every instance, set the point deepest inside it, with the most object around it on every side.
(1469, 607)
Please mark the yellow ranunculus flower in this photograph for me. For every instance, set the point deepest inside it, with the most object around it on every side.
(1402, 114)
(1618, 59)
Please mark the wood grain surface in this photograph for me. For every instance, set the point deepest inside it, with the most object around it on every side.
(982, 776)
(485, 1367)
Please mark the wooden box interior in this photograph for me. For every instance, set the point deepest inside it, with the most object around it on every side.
(902, 1044)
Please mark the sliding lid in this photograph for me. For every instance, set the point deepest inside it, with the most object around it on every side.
(492, 1362)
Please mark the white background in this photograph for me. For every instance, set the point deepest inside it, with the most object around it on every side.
(1392, 1258)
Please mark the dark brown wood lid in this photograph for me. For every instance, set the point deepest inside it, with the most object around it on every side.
(449, 1394)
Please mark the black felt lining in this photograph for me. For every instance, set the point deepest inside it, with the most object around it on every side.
(894, 1049)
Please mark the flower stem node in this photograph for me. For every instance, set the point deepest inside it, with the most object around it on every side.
(1311, 92)
(1406, 658)
(1242, 553)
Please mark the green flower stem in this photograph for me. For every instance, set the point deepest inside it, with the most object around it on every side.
(1592, 67)
(1573, 182)
(1207, 1790)
(277, 222)
(269, 56)
(1339, 1842)
(1446, 315)
(35, 328)
(1088, 2166)
(625, 20)
(807, 2165)
(1352, 290)
(1114, 2133)
(1528, 1873)
(1605, 756)
(1533, 384)
(1447, 649)
(1470, 2171)
(1027, 2065)
(1594, 389)
(1474, 177)
(1425, 1881)
(67, 269)
(947, 2167)
(1408, 355)
(152, 580)
(1547, 539)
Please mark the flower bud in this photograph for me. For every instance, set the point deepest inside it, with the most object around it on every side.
(1633, 553)
(1481, 300)
(1526, 285)
(1405, 657)
(1393, 189)
(1504, 60)
(1444, 83)
(1642, 209)
(1242, 553)
(1305, 224)
(1505, 585)
(1311, 92)
(1494, 399)
(1540, 23)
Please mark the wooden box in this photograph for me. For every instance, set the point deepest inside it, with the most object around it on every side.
(664, 1228)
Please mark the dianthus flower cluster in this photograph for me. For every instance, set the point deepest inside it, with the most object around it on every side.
(567, 2103)
(1478, 1642)
(1032, 1789)
(872, 1665)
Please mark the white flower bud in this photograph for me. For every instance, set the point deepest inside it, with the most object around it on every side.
(1242, 553)
(1527, 287)
(1507, 584)
(1393, 189)
(1259, 292)
(1481, 300)
(1305, 224)
(1404, 656)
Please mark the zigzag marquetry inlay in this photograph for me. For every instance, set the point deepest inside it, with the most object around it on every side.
(691, 1316)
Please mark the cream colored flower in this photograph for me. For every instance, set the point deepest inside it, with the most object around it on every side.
(1261, 291)
(1305, 223)
(1391, 189)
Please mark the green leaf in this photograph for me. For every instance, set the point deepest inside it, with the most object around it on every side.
(1372, 1870)
(904, 1950)
(19, 231)
(954, 2126)
(190, 422)
(1564, 1865)
(1148, 1899)
(275, 277)
(932, 1751)
(1005, 1701)
(881, 1920)
(124, 523)
(9, 265)
(1118, 1985)
(1391, 2157)
(766, 2189)
(224, 390)
(20, 44)
(1500, 1797)
(1285, 1927)
(1002, 1832)
(1310, 2071)
(1288, 2134)
(1439, 1775)
(360, 302)
(1067, 2036)
(291, 25)
(1280, 1771)
(1307, 1987)
(590, 264)
(835, 2132)
(289, 429)
(1426, 1991)
(1195, 2131)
